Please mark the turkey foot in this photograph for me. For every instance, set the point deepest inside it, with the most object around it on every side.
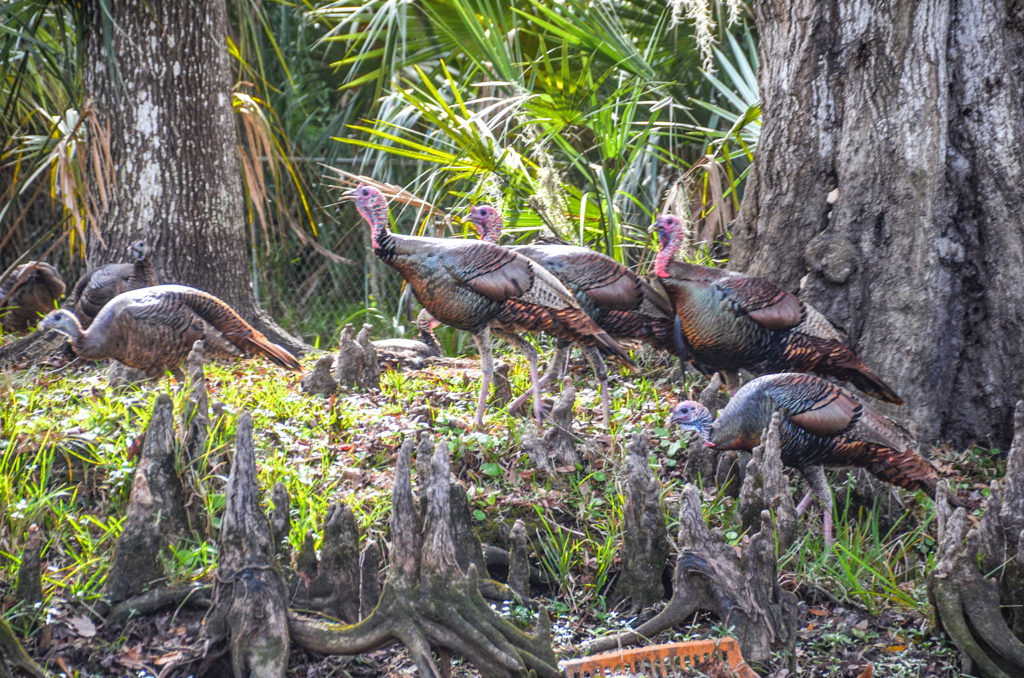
(428, 601)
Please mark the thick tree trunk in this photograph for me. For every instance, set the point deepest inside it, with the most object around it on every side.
(912, 111)
(160, 78)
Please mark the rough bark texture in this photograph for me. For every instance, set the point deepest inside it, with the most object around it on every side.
(348, 368)
(428, 601)
(645, 543)
(912, 112)
(741, 591)
(164, 94)
(13, 655)
(29, 589)
(249, 594)
(155, 516)
(977, 585)
(765, 488)
(320, 381)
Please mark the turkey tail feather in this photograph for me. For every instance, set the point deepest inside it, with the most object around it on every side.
(806, 353)
(608, 346)
(258, 343)
(898, 467)
(235, 329)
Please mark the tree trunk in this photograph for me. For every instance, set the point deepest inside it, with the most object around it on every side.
(160, 79)
(912, 112)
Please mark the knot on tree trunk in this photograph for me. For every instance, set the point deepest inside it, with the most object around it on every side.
(740, 590)
(977, 586)
(428, 600)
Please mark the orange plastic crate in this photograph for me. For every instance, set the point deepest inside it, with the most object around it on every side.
(689, 658)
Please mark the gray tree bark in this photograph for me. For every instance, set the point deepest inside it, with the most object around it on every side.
(913, 112)
(161, 80)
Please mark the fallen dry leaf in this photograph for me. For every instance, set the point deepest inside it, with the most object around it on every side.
(82, 625)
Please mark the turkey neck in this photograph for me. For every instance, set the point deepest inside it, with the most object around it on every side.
(142, 272)
(666, 257)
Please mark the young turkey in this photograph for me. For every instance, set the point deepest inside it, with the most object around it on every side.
(479, 287)
(617, 299)
(29, 293)
(153, 329)
(822, 425)
(730, 320)
(98, 286)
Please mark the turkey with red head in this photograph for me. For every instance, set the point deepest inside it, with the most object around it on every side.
(617, 299)
(729, 320)
(479, 287)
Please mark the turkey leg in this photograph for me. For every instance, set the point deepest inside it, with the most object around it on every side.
(483, 346)
(556, 370)
(601, 372)
(531, 355)
(815, 476)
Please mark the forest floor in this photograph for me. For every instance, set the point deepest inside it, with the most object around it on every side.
(67, 452)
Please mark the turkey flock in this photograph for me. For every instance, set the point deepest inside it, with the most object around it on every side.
(712, 319)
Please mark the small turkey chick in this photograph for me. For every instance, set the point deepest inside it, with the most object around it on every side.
(411, 353)
(98, 286)
(152, 329)
(822, 425)
(29, 293)
(479, 286)
(730, 320)
(617, 299)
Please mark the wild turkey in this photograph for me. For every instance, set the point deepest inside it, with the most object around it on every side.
(98, 286)
(822, 425)
(478, 286)
(729, 320)
(153, 329)
(618, 300)
(29, 293)
(410, 353)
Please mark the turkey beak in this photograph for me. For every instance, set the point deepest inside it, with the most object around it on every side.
(350, 194)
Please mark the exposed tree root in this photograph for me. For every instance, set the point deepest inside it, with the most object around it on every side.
(428, 601)
(742, 591)
(765, 487)
(191, 595)
(977, 585)
(29, 589)
(12, 654)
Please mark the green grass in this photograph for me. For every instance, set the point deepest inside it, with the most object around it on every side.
(65, 465)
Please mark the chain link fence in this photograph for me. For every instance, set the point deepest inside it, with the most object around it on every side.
(296, 282)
